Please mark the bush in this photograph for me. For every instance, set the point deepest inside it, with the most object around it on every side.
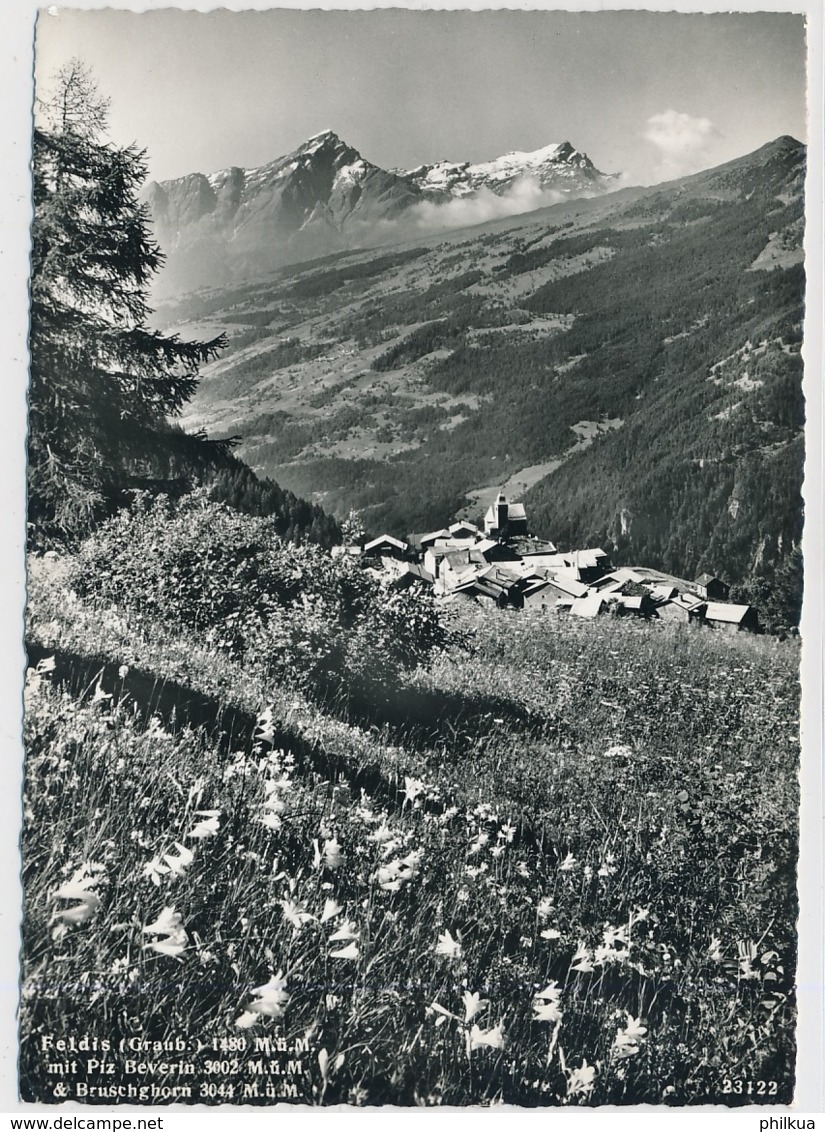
(294, 612)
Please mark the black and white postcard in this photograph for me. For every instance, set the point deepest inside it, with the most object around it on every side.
(418, 413)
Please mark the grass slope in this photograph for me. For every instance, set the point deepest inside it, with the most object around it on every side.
(573, 884)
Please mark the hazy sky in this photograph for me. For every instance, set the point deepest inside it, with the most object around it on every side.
(650, 94)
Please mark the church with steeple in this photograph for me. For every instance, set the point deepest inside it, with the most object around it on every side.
(505, 520)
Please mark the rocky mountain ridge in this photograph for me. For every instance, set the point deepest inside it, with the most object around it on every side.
(325, 197)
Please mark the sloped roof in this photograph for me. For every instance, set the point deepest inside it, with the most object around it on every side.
(589, 606)
(430, 536)
(386, 539)
(663, 592)
(569, 586)
(723, 611)
(516, 511)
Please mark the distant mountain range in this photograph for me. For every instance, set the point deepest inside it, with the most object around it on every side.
(326, 197)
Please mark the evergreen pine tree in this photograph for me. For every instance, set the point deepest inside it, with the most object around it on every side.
(103, 384)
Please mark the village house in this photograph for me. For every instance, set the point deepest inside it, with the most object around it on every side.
(712, 588)
(386, 546)
(731, 618)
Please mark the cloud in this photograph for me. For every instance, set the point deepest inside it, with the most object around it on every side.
(683, 142)
(525, 195)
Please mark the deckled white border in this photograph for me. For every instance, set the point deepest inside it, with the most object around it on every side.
(16, 56)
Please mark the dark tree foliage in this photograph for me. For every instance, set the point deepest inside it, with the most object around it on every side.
(103, 385)
(295, 519)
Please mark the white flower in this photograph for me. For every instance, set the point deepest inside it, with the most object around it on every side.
(551, 993)
(331, 909)
(333, 857)
(545, 907)
(271, 1001)
(348, 952)
(296, 913)
(715, 950)
(619, 751)
(448, 946)
(582, 960)
(473, 1004)
(545, 1011)
(169, 925)
(86, 878)
(412, 788)
(155, 870)
(178, 865)
(493, 1038)
(581, 1081)
(208, 827)
(346, 931)
(568, 863)
(627, 1041)
(551, 933)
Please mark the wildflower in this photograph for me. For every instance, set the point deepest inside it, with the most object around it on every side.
(497, 851)
(155, 870)
(349, 952)
(522, 870)
(412, 788)
(83, 911)
(493, 1038)
(547, 1004)
(545, 907)
(448, 946)
(265, 727)
(123, 671)
(391, 876)
(100, 696)
(331, 909)
(626, 1043)
(551, 933)
(545, 1011)
(568, 863)
(208, 827)
(333, 858)
(580, 1082)
(442, 1012)
(169, 925)
(383, 833)
(178, 865)
(619, 751)
(715, 950)
(509, 832)
(296, 913)
(582, 959)
(473, 1004)
(271, 1002)
(347, 930)
(80, 888)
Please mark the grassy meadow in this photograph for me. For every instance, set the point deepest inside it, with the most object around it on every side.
(290, 837)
